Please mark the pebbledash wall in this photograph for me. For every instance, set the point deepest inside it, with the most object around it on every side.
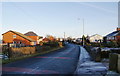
(8, 38)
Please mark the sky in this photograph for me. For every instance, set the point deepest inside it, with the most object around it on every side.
(55, 18)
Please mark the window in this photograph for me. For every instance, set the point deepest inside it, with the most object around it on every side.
(14, 42)
(14, 36)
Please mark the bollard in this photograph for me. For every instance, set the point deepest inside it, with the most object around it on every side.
(113, 60)
(119, 63)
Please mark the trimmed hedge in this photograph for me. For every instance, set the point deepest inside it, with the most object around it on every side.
(51, 44)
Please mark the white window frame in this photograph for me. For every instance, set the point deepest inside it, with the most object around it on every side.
(14, 36)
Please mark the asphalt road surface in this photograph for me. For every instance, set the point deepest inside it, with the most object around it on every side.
(62, 61)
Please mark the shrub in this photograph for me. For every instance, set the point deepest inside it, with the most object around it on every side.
(5, 49)
(51, 44)
(111, 44)
(16, 52)
(105, 54)
(95, 44)
(118, 42)
(115, 51)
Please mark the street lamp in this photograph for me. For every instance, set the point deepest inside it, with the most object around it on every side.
(83, 31)
(64, 36)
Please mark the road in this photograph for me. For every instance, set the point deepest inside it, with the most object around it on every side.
(62, 61)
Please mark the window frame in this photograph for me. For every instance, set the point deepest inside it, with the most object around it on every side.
(14, 36)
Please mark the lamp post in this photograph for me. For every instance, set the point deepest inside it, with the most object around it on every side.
(64, 36)
(83, 30)
(83, 33)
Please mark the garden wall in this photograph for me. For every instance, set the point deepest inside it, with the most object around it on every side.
(114, 62)
(119, 63)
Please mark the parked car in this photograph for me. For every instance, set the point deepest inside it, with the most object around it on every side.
(3, 57)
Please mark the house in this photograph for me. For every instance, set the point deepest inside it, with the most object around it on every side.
(78, 40)
(96, 38)
(14, 37)
(51, 38)
(118, 36)
(46, 40)
(34, 36)
(114, 36)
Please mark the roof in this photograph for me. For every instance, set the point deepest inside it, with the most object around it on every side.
(40, 37)
(22, 35)
(115, 33)
(95, 35)
(31, 33)
(45, 39)
(118, 33)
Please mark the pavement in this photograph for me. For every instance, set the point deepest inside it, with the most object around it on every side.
(62, 61)
(88, 67)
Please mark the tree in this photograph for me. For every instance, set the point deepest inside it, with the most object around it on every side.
(50, 37)
(83, 40)
(69, 39)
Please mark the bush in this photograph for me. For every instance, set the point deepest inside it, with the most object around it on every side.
(105, 54)
(111, 44)
(16, 52)
(115, 51)
(95, 44)
(51, 44)
(118, 42)
(5, 49)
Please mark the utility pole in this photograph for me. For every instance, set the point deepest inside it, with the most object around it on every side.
(83, 34)
(64, 36)
(83, 31)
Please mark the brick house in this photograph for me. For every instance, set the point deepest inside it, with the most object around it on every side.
(14, 37)
(34, 36)
(114, 36)
(118, 36)
(46, 40)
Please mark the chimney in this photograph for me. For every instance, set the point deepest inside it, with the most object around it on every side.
(118, 29)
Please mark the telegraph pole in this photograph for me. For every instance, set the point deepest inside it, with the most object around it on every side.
(83, 33)
(83, 30)
(64, 36)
